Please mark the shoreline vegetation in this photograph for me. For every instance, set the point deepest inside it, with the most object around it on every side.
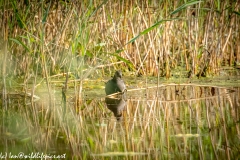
(149, 38)
(53, 52)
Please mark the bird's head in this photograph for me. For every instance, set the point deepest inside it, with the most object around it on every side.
(118, 74)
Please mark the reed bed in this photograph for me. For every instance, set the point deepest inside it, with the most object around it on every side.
(149, 38)
(50, 51)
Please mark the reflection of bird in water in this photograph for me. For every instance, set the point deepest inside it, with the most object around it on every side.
(116, 84)
(116, 106)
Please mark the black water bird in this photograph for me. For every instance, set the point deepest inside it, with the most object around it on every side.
(116, 84)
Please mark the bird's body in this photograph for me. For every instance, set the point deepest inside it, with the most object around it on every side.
(116, 84)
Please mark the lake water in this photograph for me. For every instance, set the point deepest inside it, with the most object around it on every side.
(169, 121)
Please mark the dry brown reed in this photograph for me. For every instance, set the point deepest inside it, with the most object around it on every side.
(67, 36)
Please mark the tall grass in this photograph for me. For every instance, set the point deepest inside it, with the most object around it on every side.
(200, 36)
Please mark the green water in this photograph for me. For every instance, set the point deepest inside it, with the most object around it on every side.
(194, 120)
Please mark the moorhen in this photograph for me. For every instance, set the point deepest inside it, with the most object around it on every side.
(116, 84)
